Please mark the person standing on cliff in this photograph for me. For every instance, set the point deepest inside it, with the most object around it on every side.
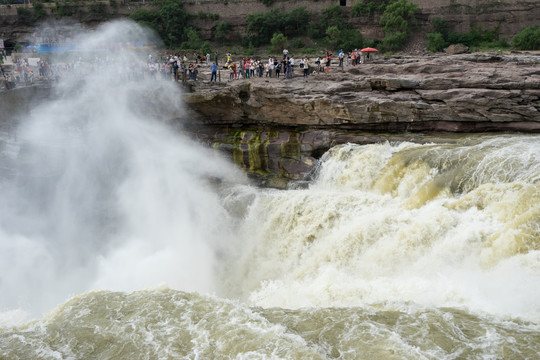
(272, 67)
(216, 58)
(306, 66)
(175, 68)
(318, 63)
(214, 68)
(6, 82)
(190, 70)
(328, 62)
(240, 69)
(284, 65)
(288, 69)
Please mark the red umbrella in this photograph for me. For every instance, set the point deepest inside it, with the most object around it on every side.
(368, 49)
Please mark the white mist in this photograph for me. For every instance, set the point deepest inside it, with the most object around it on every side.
(104, 195)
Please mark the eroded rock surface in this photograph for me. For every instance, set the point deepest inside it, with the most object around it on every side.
(453, 93)
(277, 129)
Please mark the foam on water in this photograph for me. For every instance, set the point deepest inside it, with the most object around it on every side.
(165, 323)
(368, 231)
(395, 251)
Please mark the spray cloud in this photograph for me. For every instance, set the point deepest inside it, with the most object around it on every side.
(103, 194)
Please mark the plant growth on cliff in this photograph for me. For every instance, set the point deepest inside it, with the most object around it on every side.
(279, 41)
(398, 21)
(65, 8)
(262, 26)
(268, 2)
(528, 39)
(25, 15)
(30, 16)
(97, 7)
(442, 37)
(169, 20)
(332, 29)
(223, 31)
(369, 7)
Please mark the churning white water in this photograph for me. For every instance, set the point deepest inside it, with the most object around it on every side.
(152, 247)
(391, 223)
(103, 195)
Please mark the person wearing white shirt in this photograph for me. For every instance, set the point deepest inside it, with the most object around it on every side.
(291, 62)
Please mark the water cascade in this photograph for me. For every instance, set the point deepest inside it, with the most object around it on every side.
(121, 239)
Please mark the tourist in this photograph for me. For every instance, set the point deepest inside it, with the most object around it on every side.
(272, 67)
(175, 68)
(306, 66)
(246, 69)
(288, 70)
(318, 63)
(190, 70)
(252, 69)
(6, 82)
(10, 81)
(240, 69)
(231, 72)
(214, 68)
(260, 67)
(328, 62)
(278, 69)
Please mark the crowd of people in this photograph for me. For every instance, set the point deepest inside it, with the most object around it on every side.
(181, 69)
(22, 73)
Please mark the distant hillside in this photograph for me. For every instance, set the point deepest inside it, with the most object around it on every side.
(508, 17)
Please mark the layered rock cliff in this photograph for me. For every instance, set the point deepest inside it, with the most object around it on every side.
(277, 128)
(455, 93)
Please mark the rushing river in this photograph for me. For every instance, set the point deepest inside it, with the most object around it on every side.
(120, 239)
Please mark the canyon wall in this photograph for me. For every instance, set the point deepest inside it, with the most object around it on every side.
(509, 16)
